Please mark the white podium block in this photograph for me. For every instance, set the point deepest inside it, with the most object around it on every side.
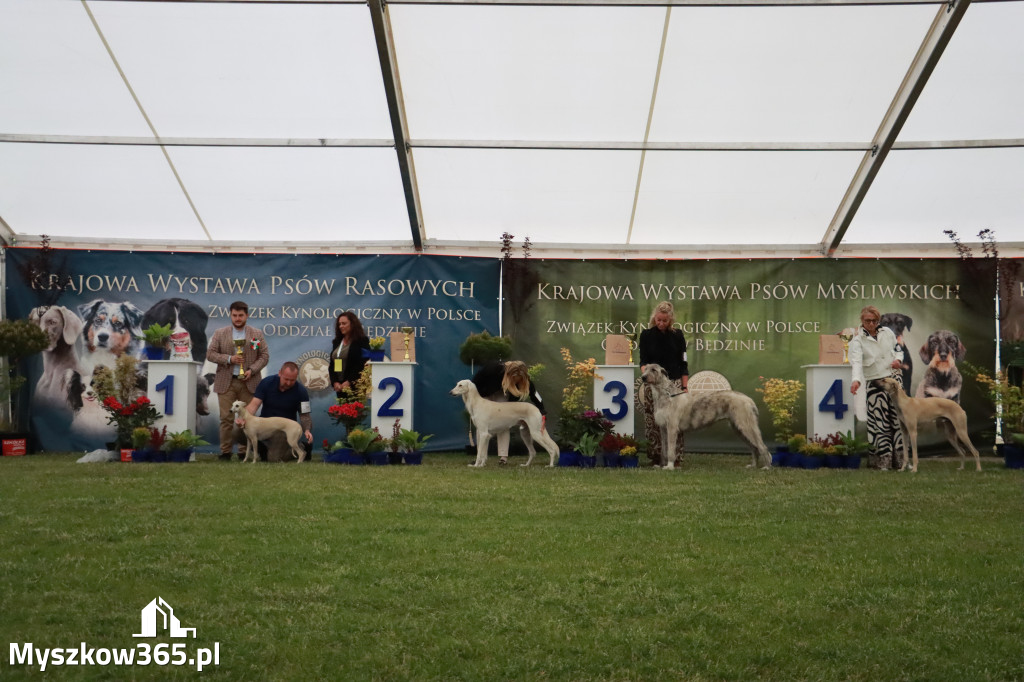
(613, 395)
(391, 394)
(172, 390)
(829, 401)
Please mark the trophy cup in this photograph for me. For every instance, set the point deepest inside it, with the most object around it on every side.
(631, 337)
(239, 351)
(846, 335)
(407, 331)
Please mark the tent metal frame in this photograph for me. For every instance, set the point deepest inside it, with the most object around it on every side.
(948, 16)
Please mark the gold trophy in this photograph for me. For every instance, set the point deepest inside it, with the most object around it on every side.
(846, 335)
(631, 337)
(407, 331)
(239, 351)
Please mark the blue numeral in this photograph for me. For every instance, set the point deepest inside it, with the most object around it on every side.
(385, 409)
(619, 390)
(167, 385)
(833, 400)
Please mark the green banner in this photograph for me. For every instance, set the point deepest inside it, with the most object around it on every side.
(746, 319)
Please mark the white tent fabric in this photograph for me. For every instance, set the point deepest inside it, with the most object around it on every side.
(681, 128)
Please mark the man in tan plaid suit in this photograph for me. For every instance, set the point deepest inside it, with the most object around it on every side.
(226, 384)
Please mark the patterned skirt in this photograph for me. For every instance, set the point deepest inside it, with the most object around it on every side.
(884, 432)
(652, 433)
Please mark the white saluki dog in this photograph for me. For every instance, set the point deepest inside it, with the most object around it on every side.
(492, 418)
(911, 411)
(259, 428)
(677, 413)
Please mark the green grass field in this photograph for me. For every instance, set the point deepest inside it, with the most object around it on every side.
(442, 572)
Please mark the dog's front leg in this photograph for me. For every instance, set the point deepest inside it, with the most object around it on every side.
(483, 440)
(913, 448)
(668, 448)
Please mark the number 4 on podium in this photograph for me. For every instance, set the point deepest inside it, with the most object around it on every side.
(833, 400)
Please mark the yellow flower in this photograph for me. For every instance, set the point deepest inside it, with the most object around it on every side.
(781, 397)
(578, 384)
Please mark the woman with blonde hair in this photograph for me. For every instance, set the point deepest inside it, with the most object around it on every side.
(875, 354)
(661, 344)
(505, 381)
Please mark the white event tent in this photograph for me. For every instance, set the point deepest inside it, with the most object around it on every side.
(622, 128)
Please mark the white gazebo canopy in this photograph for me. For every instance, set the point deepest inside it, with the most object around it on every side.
(680, 128)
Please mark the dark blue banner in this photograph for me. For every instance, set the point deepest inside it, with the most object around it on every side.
(293, 299)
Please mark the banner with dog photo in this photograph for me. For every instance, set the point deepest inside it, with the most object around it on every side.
(95, 304)
(748, 319)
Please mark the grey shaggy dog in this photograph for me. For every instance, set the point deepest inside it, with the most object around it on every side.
(677, 413)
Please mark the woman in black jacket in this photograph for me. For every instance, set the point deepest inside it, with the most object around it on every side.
(347, 358)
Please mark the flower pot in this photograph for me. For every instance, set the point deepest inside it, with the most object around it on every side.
(413, 457)
(1013, 456)
(179, 455)
(379, 458)
(568, 458)
(793, 460)
(153, 352)
(612, 459)
(339, 456)
(158, 456)
(588, 461)
(394, 458)
(812, 462)
(374, 355)
(780, 456)
(835, 461)
(140, 455)
(629, 461)
(853, 461)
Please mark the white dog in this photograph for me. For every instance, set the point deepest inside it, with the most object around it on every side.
(677, 413)
(494, 418)
(258, 428)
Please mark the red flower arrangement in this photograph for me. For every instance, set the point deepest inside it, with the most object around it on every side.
(350, 414)
(129, 417)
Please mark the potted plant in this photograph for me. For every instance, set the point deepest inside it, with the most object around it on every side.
(156, 337)
(781, 397)
(479, 349)
(587, 446)
(813, 453)
(369, 444)
(578, 417)
(180, 446)
(18, 339)
(628, 457)
(790, 456)
(410, 444)
(1009, 401)
(337, 453)
(140, 444)
(118, 392)
(834, 456)
(376, 351)
(349, 413)
(854, 448)
(613, 444)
